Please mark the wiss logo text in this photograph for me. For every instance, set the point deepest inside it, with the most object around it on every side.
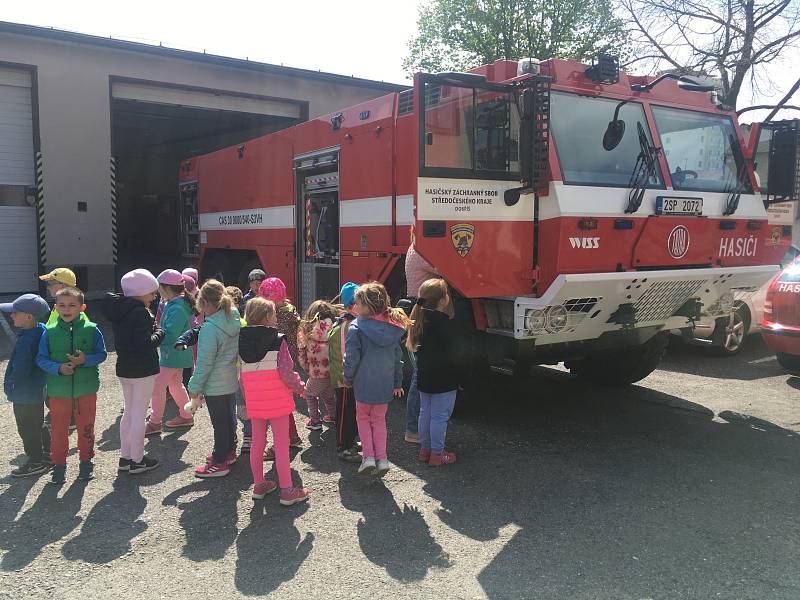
(588, 243)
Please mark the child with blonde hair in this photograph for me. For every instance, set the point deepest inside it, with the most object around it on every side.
(435, 338)
(215, 375)
(268, 379)
(373, 368)
(312, 344)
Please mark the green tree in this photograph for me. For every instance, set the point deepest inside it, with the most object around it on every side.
(460, 34)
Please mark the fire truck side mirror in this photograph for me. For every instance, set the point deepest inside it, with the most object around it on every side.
(783, 181)
(614, 134)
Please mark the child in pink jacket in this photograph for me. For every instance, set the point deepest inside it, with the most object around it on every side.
(312, 344)
(268, 379)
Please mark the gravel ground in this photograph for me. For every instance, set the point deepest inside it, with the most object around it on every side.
(685, 486)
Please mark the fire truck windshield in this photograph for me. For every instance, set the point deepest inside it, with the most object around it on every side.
(579, 123)
(701, 150)
(470, 132)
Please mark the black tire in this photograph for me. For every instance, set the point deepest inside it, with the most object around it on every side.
(730, 332)
(622, 367)
(790, 362)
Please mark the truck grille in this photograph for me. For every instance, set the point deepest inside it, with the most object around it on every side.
(663, 298)
(580, 305)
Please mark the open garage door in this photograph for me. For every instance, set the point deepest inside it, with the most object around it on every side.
(18, 263)
(155, 127)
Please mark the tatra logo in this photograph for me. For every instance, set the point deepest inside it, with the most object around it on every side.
(588, 243)
(462, 236)
(678, 242)
(738, 246)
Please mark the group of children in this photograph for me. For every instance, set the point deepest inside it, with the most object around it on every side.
(241, 366)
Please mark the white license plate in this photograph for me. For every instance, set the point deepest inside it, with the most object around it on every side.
(666, 205)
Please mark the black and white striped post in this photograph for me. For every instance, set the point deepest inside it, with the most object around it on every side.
(40, 209)
(114, 245)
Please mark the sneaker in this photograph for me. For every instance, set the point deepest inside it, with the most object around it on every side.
(212, 469)
(293, 496)
(30, 468)
(86, 470)
(152, 428)
(124, 464)
(411, 437)
(351, 455)
(313, 424)
(442, 458)
(229, 461)
(146, 464)
(247, 441)
(328, 421)
(382, 467)
(59, 474)
(179, 421)
(262, 489)
(296, 442)
(424, 454)
(367, 466)
(269, 454)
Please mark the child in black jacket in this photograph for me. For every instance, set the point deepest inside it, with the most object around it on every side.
(137, 340)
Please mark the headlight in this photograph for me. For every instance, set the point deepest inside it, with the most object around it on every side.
(535, 321)
(725, 302)
(557, 317)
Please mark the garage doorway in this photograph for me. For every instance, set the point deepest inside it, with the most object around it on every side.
(151, 135)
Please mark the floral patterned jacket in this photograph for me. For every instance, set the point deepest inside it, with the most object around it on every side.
(313, 349)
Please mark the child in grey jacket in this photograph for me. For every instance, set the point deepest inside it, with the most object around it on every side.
(373, 368)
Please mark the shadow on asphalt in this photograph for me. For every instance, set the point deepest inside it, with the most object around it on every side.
(754, 361)
(617, 494)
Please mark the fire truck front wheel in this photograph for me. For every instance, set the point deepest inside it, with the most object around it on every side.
(622, 367)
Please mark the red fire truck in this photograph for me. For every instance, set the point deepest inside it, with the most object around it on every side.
(579, 213)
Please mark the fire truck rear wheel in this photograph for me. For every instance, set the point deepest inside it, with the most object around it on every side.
(623, 367)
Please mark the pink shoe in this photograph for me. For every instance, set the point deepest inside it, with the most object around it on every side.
(179, 421)
(313, 424)
(212, 469)
(152, 428)
(293, 496)
(442, 458)
(262, 489)
(424, 454)
(228, 461)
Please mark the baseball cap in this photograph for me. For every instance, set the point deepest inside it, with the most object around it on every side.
(348, 293)
(28, 303)
(62, 275)
(170, 277)
(257, 275)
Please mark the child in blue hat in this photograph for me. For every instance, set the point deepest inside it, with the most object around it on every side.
(24, 382)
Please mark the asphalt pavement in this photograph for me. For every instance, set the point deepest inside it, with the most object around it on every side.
(686, 485)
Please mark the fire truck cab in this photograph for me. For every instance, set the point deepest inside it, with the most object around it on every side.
(577, 212)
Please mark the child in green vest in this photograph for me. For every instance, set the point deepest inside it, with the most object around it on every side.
(69, 352)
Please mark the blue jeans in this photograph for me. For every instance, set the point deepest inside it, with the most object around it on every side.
(412, 399)
(434, 413)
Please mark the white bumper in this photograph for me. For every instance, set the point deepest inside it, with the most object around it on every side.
(591, 299)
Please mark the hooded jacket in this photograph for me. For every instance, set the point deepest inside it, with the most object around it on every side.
(373, 359)
(175, 319)
(136, 338)
(336, 341)
(313, 349)
(267, 373)
(217, 351)
(440, 354)
(24, 380)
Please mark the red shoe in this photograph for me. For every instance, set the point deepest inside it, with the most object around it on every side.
(179, 421)
(442, 458)
(262, 489)
(229, 461)
(212, 469)
(294, 495)
(152, 428)
(424, 454)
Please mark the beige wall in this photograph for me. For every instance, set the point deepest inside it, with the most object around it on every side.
(75, 128)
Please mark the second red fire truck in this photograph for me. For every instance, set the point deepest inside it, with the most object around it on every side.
(579, 213)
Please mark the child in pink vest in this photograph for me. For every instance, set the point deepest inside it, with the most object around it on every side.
(268, 380)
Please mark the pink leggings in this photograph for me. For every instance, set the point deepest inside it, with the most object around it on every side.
(371, 421)
(280, 440)
(172, 379)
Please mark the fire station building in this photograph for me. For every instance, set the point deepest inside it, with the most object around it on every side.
(92, 131)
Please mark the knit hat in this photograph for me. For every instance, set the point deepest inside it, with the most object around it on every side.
(348, 294)
(170, 277)
(272, 289)
(191, 272)
(256, 275)
(139, 282)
